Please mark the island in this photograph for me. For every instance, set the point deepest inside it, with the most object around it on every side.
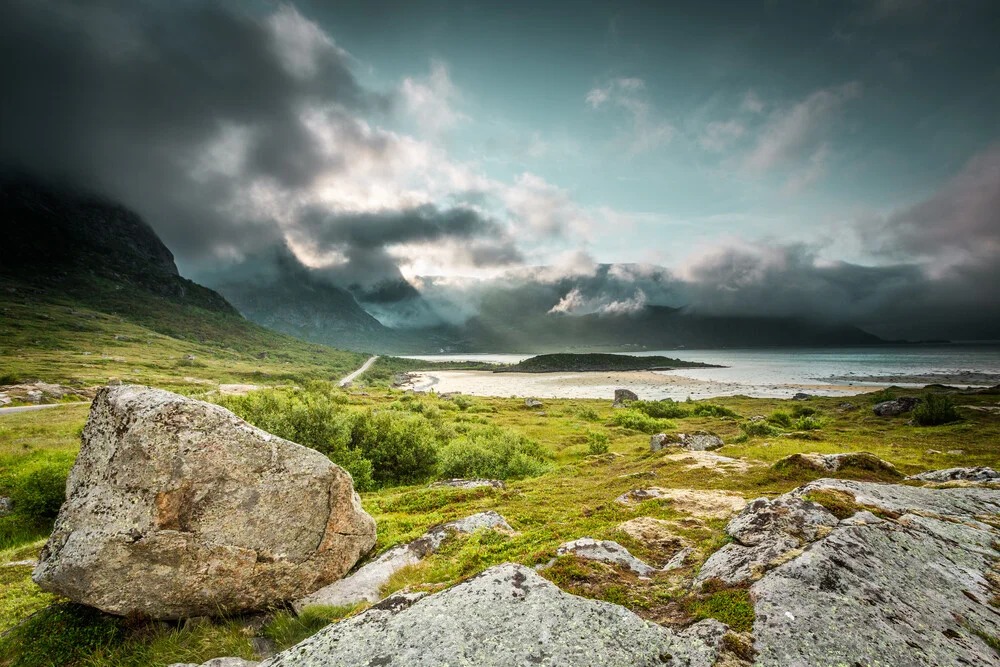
(582, 363)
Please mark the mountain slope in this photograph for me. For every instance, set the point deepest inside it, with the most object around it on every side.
(88, 291)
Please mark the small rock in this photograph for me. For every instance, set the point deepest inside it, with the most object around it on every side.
(758, 418)
(980, 474)
(219, 662)
(190, 357)
(933, 452)
(4, 400)
(700, 441)
(532, 403)
(468, 483)
(847, 406)
(955, 452)
(264, 646)
(895, 407)
(800, 396)
(605, 551)
(679, 559)
(623, 397)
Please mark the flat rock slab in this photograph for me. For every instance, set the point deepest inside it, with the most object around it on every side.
(908, 590)
(705, 504)
(979, 474)
(605, 551)
(219, 662)
(653, 533)
(365, 584)
(508, 615)
(177, 508)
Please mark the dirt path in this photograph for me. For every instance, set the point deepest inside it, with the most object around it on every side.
(350, 378)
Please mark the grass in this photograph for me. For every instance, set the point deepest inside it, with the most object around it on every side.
(572, 497)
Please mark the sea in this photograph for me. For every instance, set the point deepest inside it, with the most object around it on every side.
(825, 371)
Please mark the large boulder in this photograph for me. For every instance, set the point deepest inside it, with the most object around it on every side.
(605, 551)
(508, 615)
(623, 397)
(895, 407)
(178, 508)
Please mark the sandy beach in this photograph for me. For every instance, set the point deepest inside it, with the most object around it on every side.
(652, 385)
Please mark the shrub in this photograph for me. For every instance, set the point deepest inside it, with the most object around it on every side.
(780, 418)
(38, 493)
(800, 410)
(665, 409)
(635, 420)
(597, 442)
(758, 429)
(463, 402)
(807, 424)
(934, 410)
(588, 414)
(402, 447)
(494, 452)
(709, 410)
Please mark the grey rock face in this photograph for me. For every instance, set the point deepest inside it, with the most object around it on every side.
(895, 407)
(219, 662)
(623, 396)
(801, 396)
(980, 474)
(912, 590)
(508, 615)
(605, 551)
(659, 441)
(835, 462)
(199, 512)
(763, 533)
(700, 442)
(365, 584)
(469, 483)
(532, 403)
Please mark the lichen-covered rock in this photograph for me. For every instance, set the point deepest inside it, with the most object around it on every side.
(468, 483)
(658, 442)
(178, 508)
(836, 462)
(979, 474)
(763, 534)
(700, 442)
(623, 397)
(219, 662)
(532, 403)
(508, 615)
(365, 584)
(895, 407)
(910, 586)
(605, 551)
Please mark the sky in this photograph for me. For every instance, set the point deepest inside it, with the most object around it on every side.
(834, 160)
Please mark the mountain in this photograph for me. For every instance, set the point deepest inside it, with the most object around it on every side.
(88, 291)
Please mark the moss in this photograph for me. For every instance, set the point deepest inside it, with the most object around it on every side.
(738, 646)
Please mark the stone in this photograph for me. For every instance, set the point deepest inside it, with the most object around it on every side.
(658, 442)
(836, 462)
(710, 461)
(847, 406)
(895, 407)
(623, 397)
(707, 504)
(5, 399)
(198, 511)
(365, 584)
(979, 474)
(605, 551)
(910, 591)
(763, 533)
(507, 615)
(532, 403)
(955, 452)
(800, 396)
(653, 533)
(6, 506)
(468, 483)
(219, 662)
(679, 559)
(237, 389)
(700, 441)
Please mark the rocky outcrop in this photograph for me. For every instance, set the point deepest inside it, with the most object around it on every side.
(365, 584)
(468, 483)
(895, 407)
(199, 512)
(700, 441)
(532, 403)
(623, 397)
(605, 551)
(837, 462)
(980, 474)
(508, 615)
(906, 580)
(41, 392)
(764, 532)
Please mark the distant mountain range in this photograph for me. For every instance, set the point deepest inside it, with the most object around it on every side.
(58, 236)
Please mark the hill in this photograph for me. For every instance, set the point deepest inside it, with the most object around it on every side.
(555, 363)
(88, 291)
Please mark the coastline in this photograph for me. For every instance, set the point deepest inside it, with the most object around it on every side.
(652, 385)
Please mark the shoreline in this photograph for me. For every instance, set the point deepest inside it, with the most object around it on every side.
(648, 385)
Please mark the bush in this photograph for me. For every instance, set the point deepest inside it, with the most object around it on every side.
(597, 442)
(39, 492)
(463, 402)
(588, 414)
(709, 410)
(494, 452)
(758, 429)
(401, 447)
(800, 410)
(665, 409)
(807, 424)
(780, 418)
(935, 410)
(635, 420)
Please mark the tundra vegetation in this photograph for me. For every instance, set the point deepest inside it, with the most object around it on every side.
(563, 469)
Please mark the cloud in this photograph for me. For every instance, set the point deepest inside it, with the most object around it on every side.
(751, 103)
(813, 171)
(719, 135)
(794, 132)
(541, 208)
(646, 130)
(431, 101)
